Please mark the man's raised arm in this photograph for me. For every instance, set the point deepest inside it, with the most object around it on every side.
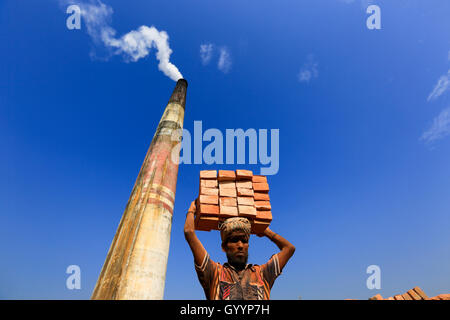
(197, 248)
(287, 249)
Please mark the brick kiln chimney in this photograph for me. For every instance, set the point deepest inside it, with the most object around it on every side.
(135, 267)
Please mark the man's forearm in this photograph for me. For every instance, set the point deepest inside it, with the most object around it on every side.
(277, 239)
(189, 225)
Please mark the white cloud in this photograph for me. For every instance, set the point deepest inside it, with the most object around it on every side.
(224, 63)
(441, 86)
(439, 129)
(309, 70)
(132, 46)
(206, 51)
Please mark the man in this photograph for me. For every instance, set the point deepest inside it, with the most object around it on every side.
(236, 280)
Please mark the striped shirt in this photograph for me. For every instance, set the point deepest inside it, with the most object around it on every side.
(224, 282)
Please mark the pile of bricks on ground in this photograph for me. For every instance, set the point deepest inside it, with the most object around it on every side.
(413, 294)
(232, 194)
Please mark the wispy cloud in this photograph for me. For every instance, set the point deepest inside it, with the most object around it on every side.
(132, 46)
(439, 129)
(224, 63)
(309, 70)
(441, 86)
(206, 51)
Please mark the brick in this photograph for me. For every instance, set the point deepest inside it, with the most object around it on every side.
(245, 192)
(264, 215)
(227, 184)
(263, 205)
(244, 184)
(226, 175)
(414, 295)
(247, 211)
(246, 201)
(208, 210)
(398, 297)
(258, 227)
(377, 297)
(208, 183)
(228, 201)
(207, 223)
(260, 187)
(421, 293)
(228, 212)
(261, 196)
(227, 192)
(406, 296)
(209, 191)
(259, 179)
(244, 175)
(209, 199)
(208, 174)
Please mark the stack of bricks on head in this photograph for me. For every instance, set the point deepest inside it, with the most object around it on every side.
(232, 194)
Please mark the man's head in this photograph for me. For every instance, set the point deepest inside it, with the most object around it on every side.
(235, 233)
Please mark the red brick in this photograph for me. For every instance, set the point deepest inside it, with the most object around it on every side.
(208, 174)
(228, 201)
(261, 196)
(406, 296)
(246, 201)
(259, 179)
(208, 210)
(227, 184)
(260, 187)
(227, 192)
(208, 183)
(244, 184)
(258, 227)
(228, 212)
(244, 175)
(226, 175)
(414, 295)
(209, 199)
(247, 211)
(421, 293)
(264, 215)
(245, 192)
(209, 191)
(263, 205)
(207, 223)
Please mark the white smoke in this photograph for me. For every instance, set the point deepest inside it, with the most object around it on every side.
(134, 45)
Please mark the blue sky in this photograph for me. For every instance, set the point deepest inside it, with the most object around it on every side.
(364, 138)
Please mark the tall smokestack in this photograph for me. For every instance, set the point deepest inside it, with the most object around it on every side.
(135, 267)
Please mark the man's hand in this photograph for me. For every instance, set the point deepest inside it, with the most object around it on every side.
(193, 207)
(267, 232)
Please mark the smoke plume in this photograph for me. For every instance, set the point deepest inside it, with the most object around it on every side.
(132, 46)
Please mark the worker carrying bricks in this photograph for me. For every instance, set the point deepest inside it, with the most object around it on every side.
(236, 280)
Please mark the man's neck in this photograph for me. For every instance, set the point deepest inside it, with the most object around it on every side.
(238, 266)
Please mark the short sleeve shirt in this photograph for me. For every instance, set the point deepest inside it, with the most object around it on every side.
(224, 282)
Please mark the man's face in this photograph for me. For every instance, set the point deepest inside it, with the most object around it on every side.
(236, 248)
